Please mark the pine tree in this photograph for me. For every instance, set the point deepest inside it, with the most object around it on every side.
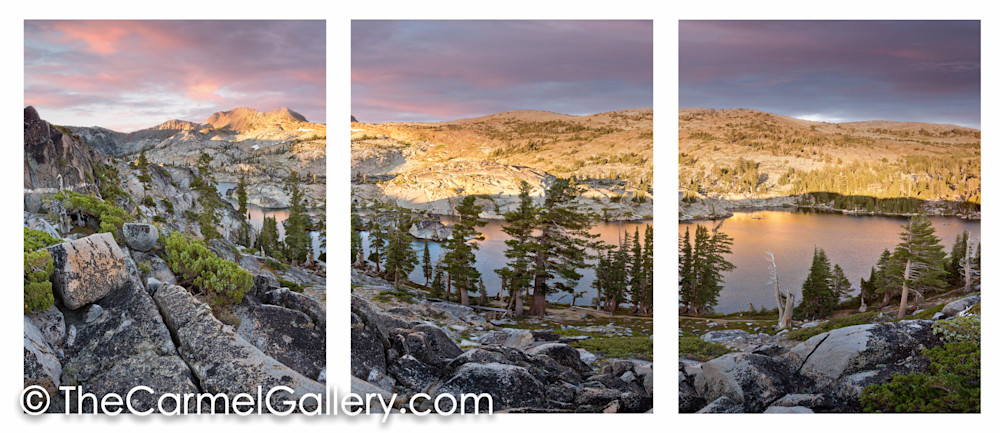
(918, 258)
(560, 248)
(204, 183)
(818, 297)
(356, 241)
(839, 283)
(428, 267)
(460, 256)
(519, 225)
(954, 266)
(647, 295)
(297, 241)
(267, 241)
(378, 235)
(400, 258)
(685, 270)
(437, 286)
(241, 196)
(637, 273)
(143, 164)
(708, 262)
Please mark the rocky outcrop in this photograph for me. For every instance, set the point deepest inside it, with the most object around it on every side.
(823, 374)
(87, 269)
(126, 346)
(289, 336)
(140, 237)
(41, 365)
(958, 306)
(54, 160)
(221, 360)
(391, 352)
(431, 230)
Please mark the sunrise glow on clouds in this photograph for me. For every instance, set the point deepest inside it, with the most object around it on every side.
(445, 70)
(926, 71)
(128, 75)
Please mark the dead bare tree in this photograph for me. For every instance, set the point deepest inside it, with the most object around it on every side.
(784, 311)
(906, 291)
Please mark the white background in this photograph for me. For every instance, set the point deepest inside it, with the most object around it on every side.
(339, 16)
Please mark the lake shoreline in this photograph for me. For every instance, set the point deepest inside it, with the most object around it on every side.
(715, 209)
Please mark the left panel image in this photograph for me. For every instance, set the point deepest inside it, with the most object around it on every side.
(174, 215)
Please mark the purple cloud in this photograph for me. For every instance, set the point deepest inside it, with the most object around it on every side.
(849, 70)
(443, 70)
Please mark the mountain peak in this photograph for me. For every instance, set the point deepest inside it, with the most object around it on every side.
(245, 118)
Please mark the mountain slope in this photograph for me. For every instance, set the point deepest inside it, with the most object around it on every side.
(735, 154)
(429, 166)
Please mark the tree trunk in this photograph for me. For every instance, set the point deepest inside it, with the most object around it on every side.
(465, 295)
(518, 303)
(968, 268)
(786, 317)
(447, 293)
(538, 295)
(906, 292)
(538, 303)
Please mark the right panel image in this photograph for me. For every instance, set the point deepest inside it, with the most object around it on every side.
(829, 216)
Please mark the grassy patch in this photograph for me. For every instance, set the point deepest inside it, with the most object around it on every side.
(841, 322)
(388, 296)
(291, 285)
(619, 347)
(699, 350)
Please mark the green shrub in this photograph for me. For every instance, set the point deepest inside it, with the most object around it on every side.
(700, 350)
(38, 269)
(159, 219)
(952, 382)
(293, 286)
(111, 217)
(167, 204)
(198, 267)
(387, 296)
(148, 201)
(275, 265)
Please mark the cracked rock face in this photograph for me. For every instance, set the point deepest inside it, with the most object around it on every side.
(223, 361)
(87, 269)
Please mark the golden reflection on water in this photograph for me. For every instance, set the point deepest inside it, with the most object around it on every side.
(853, 242)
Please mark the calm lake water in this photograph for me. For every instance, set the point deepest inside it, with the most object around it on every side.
(257, 215)
(853, 242)
(490, 256)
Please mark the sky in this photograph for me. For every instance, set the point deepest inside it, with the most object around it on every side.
(128, 75)
(430, 71)
(835, 71)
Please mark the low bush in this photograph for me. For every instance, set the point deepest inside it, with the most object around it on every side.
(110, 217)
(619, 347)
(291, 285)
(38, 269)
(951, 384)
(198, 267)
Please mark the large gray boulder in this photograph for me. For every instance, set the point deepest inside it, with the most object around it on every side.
(959, 305)
(140, 237)
(510, 386)
(52, 325)
(833, 360)
(563, 354)
(126, 346)
(430, 230)
(299, 302)
(751, 379)
(87, 269)
(289, 336)
(516, 338)
(222, 360)
(41, 365)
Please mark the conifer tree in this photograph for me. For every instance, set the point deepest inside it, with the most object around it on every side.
(839, 283)
(460, 256)
(637, 273)
(297, 241)
(241, 196)
(647, 295)
(400, 258)
(143, 164)
(428, 267)
(437, 286)
(268, 241)
(685, 270)
(560, 248)
(918, 258)
(204, 183)
(378, 235)
(519, 225)
(818, 297)
(708, 262)
(955, 269)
